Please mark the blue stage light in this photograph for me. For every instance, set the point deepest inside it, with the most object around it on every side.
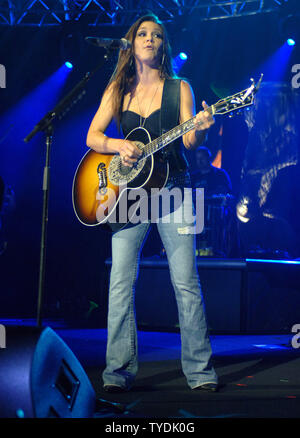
(291, 42)
(68, 64)
(179, 61)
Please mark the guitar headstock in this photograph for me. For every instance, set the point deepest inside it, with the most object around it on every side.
(237, 101)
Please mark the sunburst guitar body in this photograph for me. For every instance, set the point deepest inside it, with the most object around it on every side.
(101, 180)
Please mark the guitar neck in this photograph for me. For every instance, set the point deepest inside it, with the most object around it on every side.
(172, 135)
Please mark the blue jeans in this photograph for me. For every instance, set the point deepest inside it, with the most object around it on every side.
(121, 355)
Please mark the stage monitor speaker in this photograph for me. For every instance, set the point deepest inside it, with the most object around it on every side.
(40, 377)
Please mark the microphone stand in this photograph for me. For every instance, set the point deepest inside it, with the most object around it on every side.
(45, 125)
(102, 407)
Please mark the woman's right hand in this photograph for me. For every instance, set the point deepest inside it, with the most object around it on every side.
(129, 153)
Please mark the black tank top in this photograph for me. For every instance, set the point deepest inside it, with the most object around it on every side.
(131, 120)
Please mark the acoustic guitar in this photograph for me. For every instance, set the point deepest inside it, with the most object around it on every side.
(101, 180)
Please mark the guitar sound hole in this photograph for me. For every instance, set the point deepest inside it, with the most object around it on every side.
(125, 170)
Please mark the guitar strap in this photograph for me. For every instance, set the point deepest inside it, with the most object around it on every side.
(170, 105)
(169, 118)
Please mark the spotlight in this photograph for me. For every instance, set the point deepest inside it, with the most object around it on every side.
(289, 28)
(179, 61)
(69, 64)
(70, 44)
(291, 42)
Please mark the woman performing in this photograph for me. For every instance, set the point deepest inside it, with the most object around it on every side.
(141, 87)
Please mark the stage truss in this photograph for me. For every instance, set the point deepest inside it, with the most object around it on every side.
(124, 12)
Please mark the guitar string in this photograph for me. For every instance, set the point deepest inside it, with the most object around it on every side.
(152, 147)
(179, 130)
(176, 132)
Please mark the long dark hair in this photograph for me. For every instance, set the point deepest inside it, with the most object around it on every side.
(124, 74)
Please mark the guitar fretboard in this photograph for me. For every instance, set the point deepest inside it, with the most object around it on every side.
(172, 135)
(229, 104)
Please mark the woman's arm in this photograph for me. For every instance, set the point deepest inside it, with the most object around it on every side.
(195, 137)
(99, 142)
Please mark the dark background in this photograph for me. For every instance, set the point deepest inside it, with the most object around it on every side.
(222, 57)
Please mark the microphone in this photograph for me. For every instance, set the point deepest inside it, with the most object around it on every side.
(109, 43)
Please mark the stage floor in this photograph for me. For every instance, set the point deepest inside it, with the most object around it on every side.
(259, 376)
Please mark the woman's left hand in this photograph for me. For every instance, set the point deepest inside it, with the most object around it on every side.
(204, 120)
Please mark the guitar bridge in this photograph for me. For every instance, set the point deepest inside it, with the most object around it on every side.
(102, 175)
